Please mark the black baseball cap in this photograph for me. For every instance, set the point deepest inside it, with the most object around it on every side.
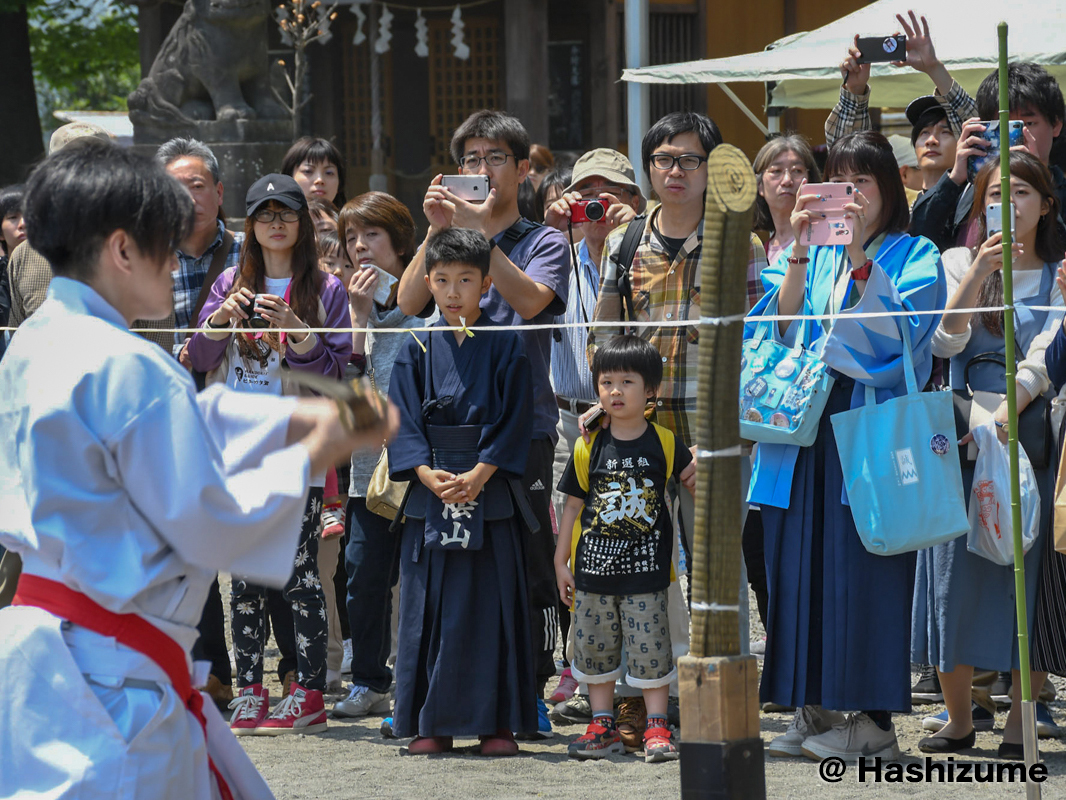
(920, 105)
(275, 186)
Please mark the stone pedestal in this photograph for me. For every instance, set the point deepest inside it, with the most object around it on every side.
(246, 150)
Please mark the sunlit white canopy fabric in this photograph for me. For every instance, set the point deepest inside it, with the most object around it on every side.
(805, 66)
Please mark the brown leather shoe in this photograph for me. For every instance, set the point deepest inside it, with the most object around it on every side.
(631, 721)
(219, 692)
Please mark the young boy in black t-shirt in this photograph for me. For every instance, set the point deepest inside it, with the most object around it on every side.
(621, 558)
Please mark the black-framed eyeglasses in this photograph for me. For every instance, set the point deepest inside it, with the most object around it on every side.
(472, 162)
(269, 215)
(687, 162)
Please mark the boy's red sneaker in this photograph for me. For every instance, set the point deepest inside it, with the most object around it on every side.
(303, 711)
(659, 745)
(599, 741)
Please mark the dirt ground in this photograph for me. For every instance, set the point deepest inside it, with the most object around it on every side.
(352, 759)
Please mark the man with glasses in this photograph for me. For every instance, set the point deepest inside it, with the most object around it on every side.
(530, 272)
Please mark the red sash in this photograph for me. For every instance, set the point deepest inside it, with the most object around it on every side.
(128, 629)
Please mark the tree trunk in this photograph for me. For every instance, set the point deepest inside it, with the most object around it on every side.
(21, 127)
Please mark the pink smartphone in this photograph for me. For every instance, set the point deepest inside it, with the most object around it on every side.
(834, 229)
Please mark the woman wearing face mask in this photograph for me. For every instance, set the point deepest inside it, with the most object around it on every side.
(378, 234)
(964, 604)
(838, 617)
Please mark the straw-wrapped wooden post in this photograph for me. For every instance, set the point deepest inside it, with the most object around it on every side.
(721, 750)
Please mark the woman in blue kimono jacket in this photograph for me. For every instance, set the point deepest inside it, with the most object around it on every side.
(838, 627)
(464, 611)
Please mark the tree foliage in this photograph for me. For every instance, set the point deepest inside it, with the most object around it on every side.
(85, 55)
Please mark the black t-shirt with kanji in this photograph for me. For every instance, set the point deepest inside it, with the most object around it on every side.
(626, 540)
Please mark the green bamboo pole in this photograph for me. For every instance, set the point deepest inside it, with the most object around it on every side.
(1028, 711)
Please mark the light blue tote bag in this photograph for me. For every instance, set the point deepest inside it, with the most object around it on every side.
(783, 390)
(901, 467)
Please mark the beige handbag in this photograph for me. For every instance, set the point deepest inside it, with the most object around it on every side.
(1059, 511)
(384, 497)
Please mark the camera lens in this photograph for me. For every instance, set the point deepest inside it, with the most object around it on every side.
(595, 210)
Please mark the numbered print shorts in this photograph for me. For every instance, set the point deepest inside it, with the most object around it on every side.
(605, 623)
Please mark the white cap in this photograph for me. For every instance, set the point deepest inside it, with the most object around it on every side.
(903, 150)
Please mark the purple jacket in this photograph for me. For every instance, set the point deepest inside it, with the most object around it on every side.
(325, 354)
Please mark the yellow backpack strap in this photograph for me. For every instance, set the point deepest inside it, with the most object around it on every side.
(582, 455)
(667, 440)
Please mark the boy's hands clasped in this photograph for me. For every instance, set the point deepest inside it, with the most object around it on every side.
(452, 488)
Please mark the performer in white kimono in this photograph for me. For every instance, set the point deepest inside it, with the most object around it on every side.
(121, 523)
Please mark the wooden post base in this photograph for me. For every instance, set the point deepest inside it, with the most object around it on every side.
(723, 770)
(721, 747)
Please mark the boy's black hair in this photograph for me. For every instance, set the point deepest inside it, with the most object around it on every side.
(81, 195)
(628, 353)
(493, 125)
(11, 198)
(676, 123)
(1028, 85)
(559, 178)
(929, 117)
(329, 243)
(458, 246)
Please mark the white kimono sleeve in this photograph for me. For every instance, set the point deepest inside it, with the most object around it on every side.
(214, 479)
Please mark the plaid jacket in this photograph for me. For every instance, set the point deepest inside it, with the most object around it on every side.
(29, 275)
(852, 112)
(663, 290)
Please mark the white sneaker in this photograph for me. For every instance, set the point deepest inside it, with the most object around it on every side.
(346, 662)
(807, 721)
(362, 702)
(857, 736)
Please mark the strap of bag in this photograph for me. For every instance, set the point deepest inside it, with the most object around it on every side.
(218, 264)
(627, 251)
(516, 233)
(908, 364)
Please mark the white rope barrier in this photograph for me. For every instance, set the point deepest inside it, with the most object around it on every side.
(665, 323)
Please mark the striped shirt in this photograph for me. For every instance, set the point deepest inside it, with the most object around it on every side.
(571, 375)
(663, 290)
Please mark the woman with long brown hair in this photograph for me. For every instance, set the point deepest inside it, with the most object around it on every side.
(964, 604)
(257, 319)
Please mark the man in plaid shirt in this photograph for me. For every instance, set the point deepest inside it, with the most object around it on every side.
(196, 167)
(665, 274)
(852, 111)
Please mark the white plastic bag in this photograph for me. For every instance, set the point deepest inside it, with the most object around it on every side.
(989, 508)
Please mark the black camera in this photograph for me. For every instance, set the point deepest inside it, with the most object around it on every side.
(255, 319)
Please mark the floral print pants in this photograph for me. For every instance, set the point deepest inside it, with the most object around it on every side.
(304, 592)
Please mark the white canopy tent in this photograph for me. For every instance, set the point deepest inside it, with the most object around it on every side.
(805, 66)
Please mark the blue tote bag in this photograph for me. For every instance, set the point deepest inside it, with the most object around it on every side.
(901, 467)
(783, 390)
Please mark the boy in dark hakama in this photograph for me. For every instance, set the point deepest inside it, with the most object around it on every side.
(465, 405)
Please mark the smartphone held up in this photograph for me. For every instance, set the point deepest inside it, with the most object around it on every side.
(994, 218)
(834, 228)
(991, 135)
(472, 188)
(881, 49)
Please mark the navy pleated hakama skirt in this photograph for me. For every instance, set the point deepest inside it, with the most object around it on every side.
(839, 617)
(464, 664)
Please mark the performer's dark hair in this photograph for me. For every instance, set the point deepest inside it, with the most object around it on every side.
(458, 246)
(628, 353)
(88, 190)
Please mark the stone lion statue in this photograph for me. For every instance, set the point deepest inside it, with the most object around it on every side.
(212, 66)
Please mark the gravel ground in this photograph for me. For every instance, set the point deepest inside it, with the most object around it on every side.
(353, 759)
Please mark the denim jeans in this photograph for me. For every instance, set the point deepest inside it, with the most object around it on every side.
(372, 559)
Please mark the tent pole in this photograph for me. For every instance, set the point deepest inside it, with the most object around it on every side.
(637, 110)
(747, 111)
(1029, 736)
